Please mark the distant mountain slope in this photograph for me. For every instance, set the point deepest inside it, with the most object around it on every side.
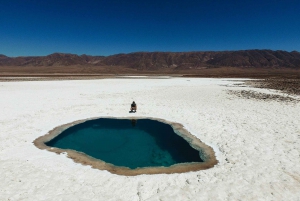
(56, 59)
(170, 60)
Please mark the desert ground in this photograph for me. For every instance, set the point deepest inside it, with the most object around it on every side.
(252, 125)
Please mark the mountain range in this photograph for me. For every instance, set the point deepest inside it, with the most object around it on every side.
(267, 59)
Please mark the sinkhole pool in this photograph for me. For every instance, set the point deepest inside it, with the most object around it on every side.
(128, 143)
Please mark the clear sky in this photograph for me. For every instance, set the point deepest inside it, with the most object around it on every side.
(106, 27)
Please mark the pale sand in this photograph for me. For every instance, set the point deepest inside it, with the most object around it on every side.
(257, 141)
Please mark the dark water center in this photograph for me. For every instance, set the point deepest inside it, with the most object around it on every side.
(129, 143)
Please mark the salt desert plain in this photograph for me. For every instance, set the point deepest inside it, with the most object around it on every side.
(257, 141)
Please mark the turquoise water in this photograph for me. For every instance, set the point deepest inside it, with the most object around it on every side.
(129, 143)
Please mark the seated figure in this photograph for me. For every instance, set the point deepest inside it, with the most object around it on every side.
(133, 107)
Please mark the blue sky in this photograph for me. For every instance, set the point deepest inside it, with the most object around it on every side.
(106, 27)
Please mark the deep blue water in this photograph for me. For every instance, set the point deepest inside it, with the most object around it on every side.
(129, 143)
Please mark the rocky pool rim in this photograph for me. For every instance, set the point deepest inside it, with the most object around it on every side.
(207, 153)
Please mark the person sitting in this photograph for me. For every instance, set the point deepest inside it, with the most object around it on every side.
(133, 107)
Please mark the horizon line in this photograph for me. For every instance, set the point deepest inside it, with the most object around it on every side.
(147, 52)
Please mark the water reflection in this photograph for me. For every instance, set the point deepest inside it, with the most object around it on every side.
(133, 122)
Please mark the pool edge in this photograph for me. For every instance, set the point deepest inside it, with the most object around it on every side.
(207, 152)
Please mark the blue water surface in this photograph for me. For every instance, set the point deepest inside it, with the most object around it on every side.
(129, 143)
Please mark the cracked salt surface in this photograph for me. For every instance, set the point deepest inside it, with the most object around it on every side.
(258, 140)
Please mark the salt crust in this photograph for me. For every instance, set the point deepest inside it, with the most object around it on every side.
(257, 142)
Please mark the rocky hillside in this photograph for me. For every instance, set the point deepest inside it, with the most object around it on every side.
(167, 60)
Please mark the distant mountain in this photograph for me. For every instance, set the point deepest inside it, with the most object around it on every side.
(167, 60)
(56, 59)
